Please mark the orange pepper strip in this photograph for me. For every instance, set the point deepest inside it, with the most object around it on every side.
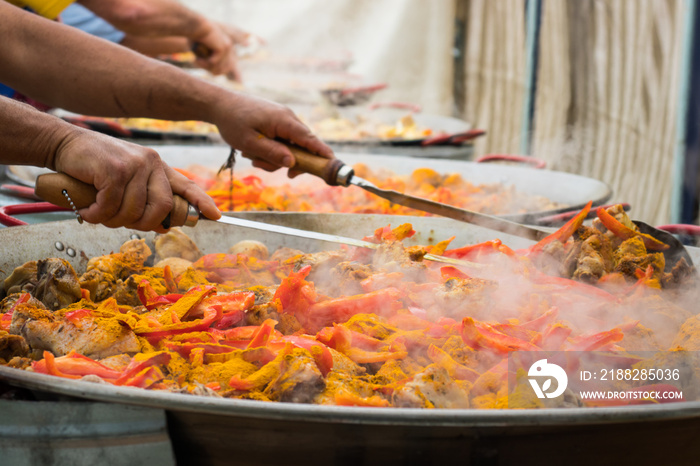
(565, 232)
(624, 232)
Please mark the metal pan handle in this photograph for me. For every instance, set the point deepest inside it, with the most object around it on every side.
(7, 212)
(535, 162)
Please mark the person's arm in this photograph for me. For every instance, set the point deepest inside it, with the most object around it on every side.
(135, 188)
(155, 46)
(66, 68)
(161, 18)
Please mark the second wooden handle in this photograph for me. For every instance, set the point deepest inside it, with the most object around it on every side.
(326, 169)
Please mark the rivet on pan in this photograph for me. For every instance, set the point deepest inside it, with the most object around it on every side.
(70, 252)
(59, 246)
(135, 236)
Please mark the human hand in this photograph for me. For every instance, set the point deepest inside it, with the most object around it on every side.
(254, 126)
(215, 51)
(134, 186)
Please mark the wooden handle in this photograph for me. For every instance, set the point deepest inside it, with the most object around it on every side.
(326, 169)
(50, 187)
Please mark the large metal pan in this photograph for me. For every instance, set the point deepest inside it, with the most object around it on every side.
(572, 191)
(213, 431)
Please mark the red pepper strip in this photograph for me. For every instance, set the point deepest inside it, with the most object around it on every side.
(384, 303)
(597, 341)
(151, 299)
(622, 231)
(480, 335)
(554, 337)
(347, 398)
(84, 294)
(192, 298)
(212, 262)
(239, 333)
(565, 232)
(572, 286)
(169, 278)
(515, 331)
(137, 366)
(184, 349)
(322, 355)
(233, 306)
(631, 400)
(474, 250)
(73, 366)
(6, 318)
(542, 321)
(379, 281)
(342, 341)
(338, 334)
(455, 369)
(75, 316)
(296, 294)
(262, 336)
(145, 378)
(452, 272)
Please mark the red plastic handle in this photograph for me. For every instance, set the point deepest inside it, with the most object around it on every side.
(7, 212)
(681, 229)
(535, 162)
(453, 138)
(400, 105)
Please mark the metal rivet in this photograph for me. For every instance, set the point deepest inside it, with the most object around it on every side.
(135, 236)
(70, 252)
(59, 246)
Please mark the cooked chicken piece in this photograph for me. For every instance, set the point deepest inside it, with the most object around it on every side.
(259, 313)
(57, 285)
(23, 278)
(9, 301)
(432, 388)
(299, 379)
(99, 284)
(595, 259)
(93, 337)
(463, 297)
(640, 338)
(175, 243)
(339, 382)
(177, 265)
(632, 255)
(250, 248)
(284, 254)
(393, 257)
(682, 275)
(345, 279)
(130, 259)
(688, 336)
(26, 312)
(12, 346)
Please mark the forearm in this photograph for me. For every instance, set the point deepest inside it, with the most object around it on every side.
(151, 17)
(28, 136)
(63, 67)
(154, 46)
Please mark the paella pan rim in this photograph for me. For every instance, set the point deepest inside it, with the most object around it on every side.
(349, 415)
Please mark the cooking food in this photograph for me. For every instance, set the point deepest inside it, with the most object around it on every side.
(258, 192)
(166, 126)
(354, 327)
(359, 128)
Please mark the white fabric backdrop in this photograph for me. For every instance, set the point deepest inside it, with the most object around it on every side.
(406, 43)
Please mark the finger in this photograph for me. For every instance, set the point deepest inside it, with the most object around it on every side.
(159, 203)
(267, 166)
(133, 202)
(189, 190)
(301, 135)
(268, 150)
